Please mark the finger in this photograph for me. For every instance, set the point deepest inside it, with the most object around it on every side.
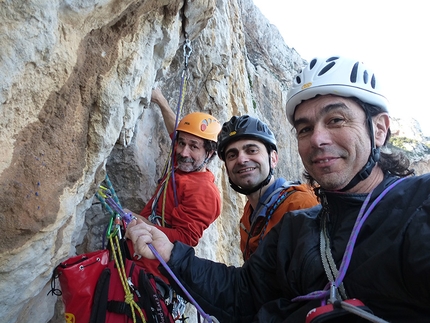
(139, 230)
(134, 230)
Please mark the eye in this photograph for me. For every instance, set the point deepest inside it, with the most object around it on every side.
(303, 130)
(336, 120)
(230, 156)
(252, 150)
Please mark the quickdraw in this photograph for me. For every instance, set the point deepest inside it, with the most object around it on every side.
(119, 218)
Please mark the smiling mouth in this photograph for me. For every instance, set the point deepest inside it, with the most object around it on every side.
(322, 161)
(249, 169)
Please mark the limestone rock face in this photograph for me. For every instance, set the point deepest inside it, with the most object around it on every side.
(76, 79)
(75, 102)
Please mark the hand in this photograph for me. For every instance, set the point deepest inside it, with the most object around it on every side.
(141, 234)
(168, 115)
(158, 97)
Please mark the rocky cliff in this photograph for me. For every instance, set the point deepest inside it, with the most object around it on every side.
(76, 78)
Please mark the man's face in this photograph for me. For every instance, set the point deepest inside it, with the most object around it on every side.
(190, 152)
(247, 162)
(333, 139)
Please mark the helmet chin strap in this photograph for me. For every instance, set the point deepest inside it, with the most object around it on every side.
(375, 154)
(202, 164)
(241, 190)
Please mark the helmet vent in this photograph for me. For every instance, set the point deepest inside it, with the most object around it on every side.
(312, 63)
(365, 77)
(333, 58)
(298, 79)
(243, 122)
(373, 81)
(326, 68)
(353, 77)
(260, 127)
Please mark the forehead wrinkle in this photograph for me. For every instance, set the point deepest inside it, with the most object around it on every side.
(326, 109)
(190, 140)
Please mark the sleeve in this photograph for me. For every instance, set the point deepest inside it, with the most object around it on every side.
(199, 206)
(221, 299)
(232, 294)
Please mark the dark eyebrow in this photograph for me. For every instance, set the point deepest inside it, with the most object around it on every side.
(231, 150)
(244, 147)
(325, 110)
(249, 145)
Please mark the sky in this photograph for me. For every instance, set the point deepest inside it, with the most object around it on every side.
(391, 36)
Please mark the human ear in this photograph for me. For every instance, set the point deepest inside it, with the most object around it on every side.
(274, 158)
(381, 124)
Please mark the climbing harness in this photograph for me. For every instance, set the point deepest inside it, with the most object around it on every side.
(123, 218)
(335, 287)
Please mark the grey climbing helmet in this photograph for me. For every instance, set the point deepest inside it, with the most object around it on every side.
(244, 127)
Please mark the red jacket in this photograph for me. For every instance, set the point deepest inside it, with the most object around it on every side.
(199, 204)
(297, 197)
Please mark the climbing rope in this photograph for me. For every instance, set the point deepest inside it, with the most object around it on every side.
(206, 318)
(126, 284)
(169, 168)
(122, 218)
(119, 218)
(331, 289)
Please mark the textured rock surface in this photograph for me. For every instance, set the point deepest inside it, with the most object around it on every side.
(76, 78)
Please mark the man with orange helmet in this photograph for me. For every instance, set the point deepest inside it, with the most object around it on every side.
(184, 210)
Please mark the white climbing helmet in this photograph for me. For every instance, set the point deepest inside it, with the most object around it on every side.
(338, 76)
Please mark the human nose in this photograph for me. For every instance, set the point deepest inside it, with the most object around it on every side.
(185, 151)
(242, 157)
(320, 136)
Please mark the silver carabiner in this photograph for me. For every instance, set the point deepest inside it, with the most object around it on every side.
(187, 51)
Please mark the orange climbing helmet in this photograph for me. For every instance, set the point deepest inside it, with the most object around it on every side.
(200, 124)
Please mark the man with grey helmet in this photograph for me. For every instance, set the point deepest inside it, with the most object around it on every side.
(363, 254)
(248, 148)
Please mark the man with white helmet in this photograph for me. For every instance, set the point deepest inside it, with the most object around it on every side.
(363, 255)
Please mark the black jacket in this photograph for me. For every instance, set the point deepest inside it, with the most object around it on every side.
(389, 270)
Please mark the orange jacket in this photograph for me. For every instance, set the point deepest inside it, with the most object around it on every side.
(298, 196)
(199, 204)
